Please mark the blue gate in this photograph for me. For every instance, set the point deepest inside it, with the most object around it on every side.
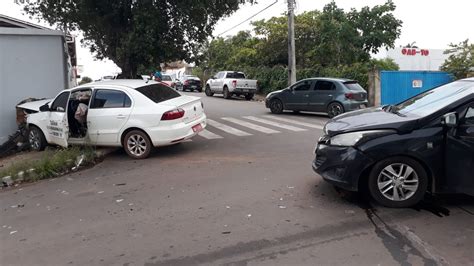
(397, 86)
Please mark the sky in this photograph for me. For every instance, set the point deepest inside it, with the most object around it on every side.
(432, 24)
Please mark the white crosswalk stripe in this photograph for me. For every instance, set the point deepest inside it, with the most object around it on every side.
(250, 125)
(275, 124)
(228, 129)
(209, 135)
(294, 122)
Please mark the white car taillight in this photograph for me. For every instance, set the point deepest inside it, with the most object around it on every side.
(173, 114)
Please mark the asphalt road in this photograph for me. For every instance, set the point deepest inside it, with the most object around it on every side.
(241, 194)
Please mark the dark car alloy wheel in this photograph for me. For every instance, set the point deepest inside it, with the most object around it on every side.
(335, 109)
(398, 182)
(276, 106)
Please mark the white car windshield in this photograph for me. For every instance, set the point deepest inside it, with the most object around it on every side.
(434, 100)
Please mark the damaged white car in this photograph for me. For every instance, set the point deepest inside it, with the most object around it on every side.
(134, 114)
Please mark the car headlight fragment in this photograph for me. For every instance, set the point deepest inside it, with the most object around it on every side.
(352, 138)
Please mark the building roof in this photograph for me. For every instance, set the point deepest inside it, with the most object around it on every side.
(13, 26)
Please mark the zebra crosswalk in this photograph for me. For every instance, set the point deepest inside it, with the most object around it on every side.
(249, 125)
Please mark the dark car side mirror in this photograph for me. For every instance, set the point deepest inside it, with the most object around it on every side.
(44, 108)
(450, 119)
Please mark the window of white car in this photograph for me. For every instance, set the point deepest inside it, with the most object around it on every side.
(110, 99)
(158, 92)
(60, 103)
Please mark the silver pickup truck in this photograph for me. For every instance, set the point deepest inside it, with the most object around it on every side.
(231, 83)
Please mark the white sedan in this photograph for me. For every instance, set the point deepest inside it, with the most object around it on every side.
(135, 114)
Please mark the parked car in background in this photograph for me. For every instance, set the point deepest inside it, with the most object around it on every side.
(333, 96)
(134, 114)
(400, 152)
(168, 80)
(189, 82)
(229, 83)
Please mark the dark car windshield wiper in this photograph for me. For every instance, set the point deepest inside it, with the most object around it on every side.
(392, 109)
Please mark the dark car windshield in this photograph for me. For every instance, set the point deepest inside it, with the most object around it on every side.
(166, 78)
(158, 92)
(235, 75)
(353, 86)
(434, 100)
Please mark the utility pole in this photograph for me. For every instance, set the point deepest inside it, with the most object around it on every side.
(291, 43)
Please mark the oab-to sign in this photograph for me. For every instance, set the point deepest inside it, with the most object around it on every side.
(412, 51)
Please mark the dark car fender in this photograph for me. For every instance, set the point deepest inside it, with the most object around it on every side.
(423, 145)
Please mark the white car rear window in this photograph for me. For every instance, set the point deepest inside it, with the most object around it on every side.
(158, 92)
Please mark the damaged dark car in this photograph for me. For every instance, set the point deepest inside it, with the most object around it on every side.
(401, 152)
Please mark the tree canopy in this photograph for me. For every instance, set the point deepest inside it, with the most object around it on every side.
(133, 33)
(326, 38)
(330, 42)
(461, 59)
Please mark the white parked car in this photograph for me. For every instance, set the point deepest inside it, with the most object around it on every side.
(135, 114)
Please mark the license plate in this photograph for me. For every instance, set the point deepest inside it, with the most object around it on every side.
(197, 128)
(245, 90)
(362, 106)
(193, 86)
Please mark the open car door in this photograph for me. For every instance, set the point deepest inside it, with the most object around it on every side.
(57, 126)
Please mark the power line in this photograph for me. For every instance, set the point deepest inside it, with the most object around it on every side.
(249, 18)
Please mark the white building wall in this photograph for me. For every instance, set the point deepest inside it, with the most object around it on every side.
(30, 66)
(421, 59)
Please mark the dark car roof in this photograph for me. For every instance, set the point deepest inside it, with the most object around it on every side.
(330, 79)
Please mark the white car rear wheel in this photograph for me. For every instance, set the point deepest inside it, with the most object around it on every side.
(137, 144)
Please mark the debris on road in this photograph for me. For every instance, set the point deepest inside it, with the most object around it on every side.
(249, 215)
(119, 200)
(13, 232)
(64, 192)
(227, 207)
(7, 181)
(226, 232)
(100, 192)
(290, 187)
(281, 206)
(120, 184)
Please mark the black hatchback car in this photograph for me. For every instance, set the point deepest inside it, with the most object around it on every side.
(400, 152)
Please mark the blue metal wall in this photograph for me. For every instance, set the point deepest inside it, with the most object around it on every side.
(397, 86)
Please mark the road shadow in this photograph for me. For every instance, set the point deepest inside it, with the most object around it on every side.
(305, 114)
(176, 150)
(438, 205)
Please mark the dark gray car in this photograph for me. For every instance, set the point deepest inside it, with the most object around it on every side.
(330, 95)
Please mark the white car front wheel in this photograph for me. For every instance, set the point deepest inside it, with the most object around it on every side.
(137, 144)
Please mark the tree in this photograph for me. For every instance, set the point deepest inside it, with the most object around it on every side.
(461, 59)
(133, 33)
(85, 80)
(385, 64)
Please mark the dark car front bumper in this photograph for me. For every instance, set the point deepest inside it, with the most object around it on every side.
(340, 166)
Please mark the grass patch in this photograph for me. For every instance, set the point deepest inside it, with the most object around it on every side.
(53, 163)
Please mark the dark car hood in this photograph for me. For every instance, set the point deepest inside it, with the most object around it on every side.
(369, 119)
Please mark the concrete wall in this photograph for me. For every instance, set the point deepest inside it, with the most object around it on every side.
(30, 66)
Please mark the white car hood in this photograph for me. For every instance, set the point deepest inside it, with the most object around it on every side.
(34, 106)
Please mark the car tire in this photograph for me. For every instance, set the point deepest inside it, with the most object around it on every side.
(226, 93)
(137, 144)
(276, 106)
(208, 91)
(398, 182)
(36, 139)
(199, 90)
(335, 109)
(249, 96)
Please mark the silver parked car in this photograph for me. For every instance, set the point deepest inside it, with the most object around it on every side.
(333, 96)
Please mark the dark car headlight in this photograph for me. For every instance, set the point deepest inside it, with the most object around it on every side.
(354, 138)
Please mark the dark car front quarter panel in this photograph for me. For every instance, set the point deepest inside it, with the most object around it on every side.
(423, 145)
